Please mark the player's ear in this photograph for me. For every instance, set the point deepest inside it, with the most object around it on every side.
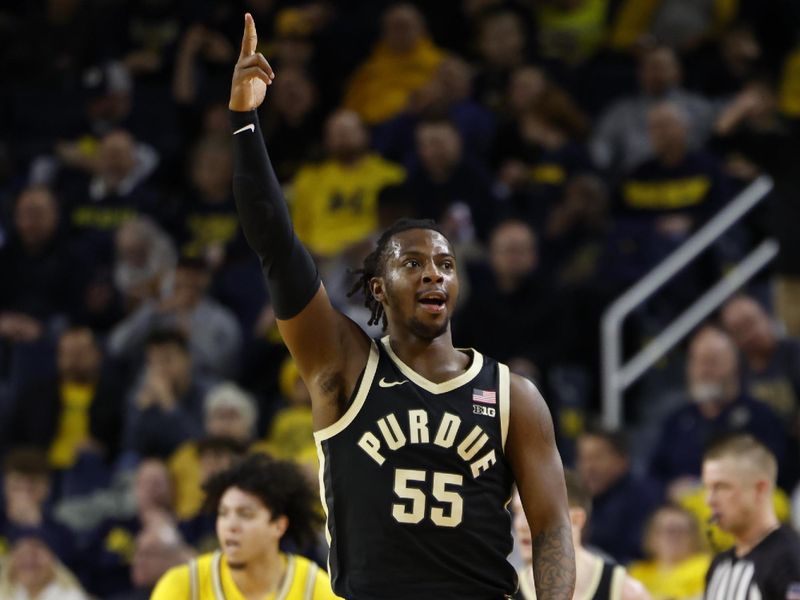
(281, 524)
(377, 289)
(764, 487)
(577, 518)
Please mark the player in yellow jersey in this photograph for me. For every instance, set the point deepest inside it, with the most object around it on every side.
(258, 502)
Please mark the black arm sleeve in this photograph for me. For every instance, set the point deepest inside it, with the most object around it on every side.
(291, 274)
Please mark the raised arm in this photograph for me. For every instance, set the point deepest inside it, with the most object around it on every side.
(330, 350)
(531, 449)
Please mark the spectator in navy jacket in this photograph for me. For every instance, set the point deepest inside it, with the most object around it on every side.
(447, 175)
(622, 501)
(770, 368)
(38, 273)
(718, 407)
(166, 409)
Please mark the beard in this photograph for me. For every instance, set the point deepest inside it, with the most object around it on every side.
(706, 392)
(428, 332)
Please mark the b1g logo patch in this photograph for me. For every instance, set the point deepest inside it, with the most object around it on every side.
(487, 411)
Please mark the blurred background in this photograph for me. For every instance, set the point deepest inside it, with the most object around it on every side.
(567, 147)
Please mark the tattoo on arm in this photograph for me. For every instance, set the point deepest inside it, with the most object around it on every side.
(554, 564)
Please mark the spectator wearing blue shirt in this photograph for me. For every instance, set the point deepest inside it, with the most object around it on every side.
(447, 95)
(770, 362)
(165, 410)
(448, 175)
(622, 500)
(770, 369)
(111, 548)
(718, 407)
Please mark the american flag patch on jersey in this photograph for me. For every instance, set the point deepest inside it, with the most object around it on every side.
(484, 396)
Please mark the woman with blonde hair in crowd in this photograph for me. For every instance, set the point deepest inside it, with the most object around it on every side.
(677, 556)
(33, 572)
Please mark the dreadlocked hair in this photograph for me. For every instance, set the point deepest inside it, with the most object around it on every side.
(374, 263)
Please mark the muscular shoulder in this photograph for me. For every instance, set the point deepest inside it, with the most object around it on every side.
(528, 404)
(175, 584)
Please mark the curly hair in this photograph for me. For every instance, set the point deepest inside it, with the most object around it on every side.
(280, 485)
(374, 264)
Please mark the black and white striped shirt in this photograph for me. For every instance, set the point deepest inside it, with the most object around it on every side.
(770, 571)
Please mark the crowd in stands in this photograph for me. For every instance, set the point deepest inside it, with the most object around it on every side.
(565, 147)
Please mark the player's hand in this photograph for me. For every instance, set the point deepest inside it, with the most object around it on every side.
(252, 73)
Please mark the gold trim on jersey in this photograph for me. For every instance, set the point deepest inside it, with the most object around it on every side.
(428, 385)
(288, 578)
(597, 575)
(194, 580)
(504, 400)
(617, 581)
(216, 575)
(311, 580)
(339, 426)
(323, 496)
(528, 589)
(358, 402)
(216, 578)
(526, 585)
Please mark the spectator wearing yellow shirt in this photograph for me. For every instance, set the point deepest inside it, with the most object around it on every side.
(572, 31)
(291, 434)
(258, 502)
(335, 203)
(677, 559)
(76, 411)
(403, 60)
(789, 92)
(229, 413)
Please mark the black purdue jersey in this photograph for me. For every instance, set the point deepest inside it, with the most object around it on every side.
(770, 571)
(416, 485)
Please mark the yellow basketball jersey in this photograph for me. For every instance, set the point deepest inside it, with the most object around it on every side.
(208, 577)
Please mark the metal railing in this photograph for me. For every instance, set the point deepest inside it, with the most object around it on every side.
(617, 377)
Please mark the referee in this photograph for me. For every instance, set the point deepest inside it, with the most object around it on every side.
(739, 474)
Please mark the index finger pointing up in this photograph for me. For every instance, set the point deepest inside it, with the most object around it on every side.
(250, 37)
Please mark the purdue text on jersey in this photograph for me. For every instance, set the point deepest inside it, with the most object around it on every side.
(416, 481)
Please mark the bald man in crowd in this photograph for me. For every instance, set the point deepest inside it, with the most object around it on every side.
(718, 406)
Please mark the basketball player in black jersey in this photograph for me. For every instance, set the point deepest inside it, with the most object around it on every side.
(419, 443)
(739, 475)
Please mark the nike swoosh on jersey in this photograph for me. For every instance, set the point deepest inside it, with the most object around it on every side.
(251, 127)
(387, 384)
